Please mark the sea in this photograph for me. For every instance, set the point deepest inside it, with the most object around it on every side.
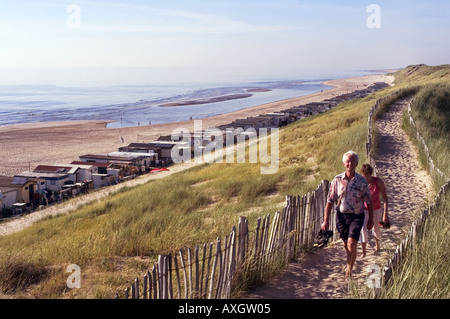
(133, 96)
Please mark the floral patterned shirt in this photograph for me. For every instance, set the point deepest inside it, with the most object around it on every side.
(352, 194)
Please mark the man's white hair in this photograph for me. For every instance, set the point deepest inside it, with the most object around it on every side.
(350, 153)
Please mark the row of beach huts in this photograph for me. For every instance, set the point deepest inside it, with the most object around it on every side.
(49, 184)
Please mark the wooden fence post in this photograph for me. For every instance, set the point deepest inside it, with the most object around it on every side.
(242, 239)
(145, 287)
(149, 276)
(213, 270)
(202, 276)
(183, 267)
(135, 289)
(189, 261)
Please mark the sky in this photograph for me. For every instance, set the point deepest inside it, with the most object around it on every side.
(208, 33)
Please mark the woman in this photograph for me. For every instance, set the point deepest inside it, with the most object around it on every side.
(377, 188)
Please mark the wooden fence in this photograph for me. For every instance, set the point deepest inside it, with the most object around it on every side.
(215, 270)
(431, 166)
(417, 226)
(414, 234)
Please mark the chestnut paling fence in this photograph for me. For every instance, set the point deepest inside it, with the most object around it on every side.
(214, 270)
(413, 236)
(430, 163)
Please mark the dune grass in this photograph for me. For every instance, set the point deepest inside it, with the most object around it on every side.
(117, 239)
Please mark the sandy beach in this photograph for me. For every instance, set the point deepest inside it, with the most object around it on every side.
(25, 146)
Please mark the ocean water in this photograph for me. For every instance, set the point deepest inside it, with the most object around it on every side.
(131, 97)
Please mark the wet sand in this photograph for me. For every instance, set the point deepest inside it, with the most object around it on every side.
(209, 100)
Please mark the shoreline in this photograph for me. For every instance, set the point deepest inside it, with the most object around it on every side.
(25, 146)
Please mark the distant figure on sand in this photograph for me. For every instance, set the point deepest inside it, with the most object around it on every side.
(349, 191)
(377, 188)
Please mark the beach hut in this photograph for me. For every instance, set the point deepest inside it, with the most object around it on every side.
(145, 160)
(80, 173)
(143, 148)
(161, 149)
(112, 158)
(97, 168)
(103, 180)
(53, 181)
(70, 170)
(27, 190)
(245, 124)
(278, 119)
(124, 165)
(7, 199)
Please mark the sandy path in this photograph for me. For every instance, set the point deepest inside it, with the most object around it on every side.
(320, 274)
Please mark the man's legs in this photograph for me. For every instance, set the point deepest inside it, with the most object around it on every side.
(350, 249)
(349, 227)
(352, 242)
(349, 257)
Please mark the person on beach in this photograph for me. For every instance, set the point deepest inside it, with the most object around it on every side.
(377, 188)
(349, 190)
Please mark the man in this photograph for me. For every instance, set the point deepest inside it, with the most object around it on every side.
(349, 191)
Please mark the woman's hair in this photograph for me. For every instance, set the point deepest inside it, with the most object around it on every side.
(366, 170)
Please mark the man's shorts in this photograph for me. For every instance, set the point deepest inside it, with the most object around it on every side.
(349, 225)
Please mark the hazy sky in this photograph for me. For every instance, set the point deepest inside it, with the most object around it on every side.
(210, 33)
